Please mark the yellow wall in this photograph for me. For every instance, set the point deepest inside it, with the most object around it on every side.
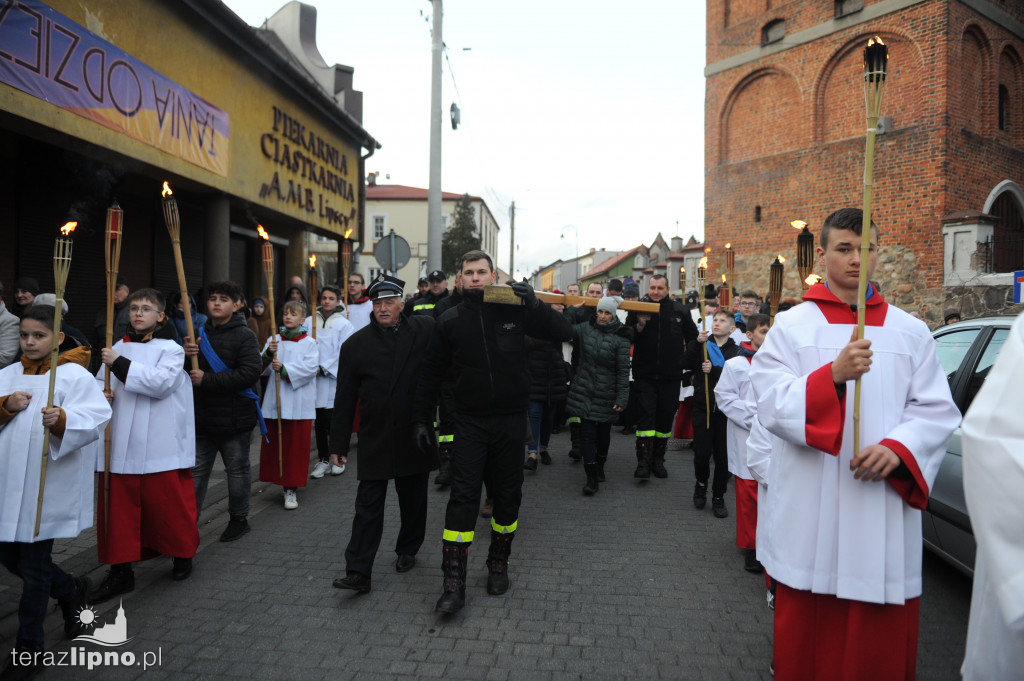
(168, 38)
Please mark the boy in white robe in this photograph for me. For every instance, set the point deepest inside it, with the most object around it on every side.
(993, 459)
(332, 329)
(736, 401)
(76, 424)
(297, 363)
(152, 451)
(844, 527)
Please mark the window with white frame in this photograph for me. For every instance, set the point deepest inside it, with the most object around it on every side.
(445, 221)
(373, 273)
(379, 222)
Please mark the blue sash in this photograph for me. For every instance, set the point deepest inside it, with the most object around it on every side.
(218, 365)
(715, 354)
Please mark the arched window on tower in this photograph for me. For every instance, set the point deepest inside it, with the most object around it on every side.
(773, 31)
(1004, 108)
(1005, 251)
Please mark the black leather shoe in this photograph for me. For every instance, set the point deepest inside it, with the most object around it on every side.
(120, 579)
(545, 458)
(70, 608)
(354, 582)
(235, 529)
(751, 563)
(531, 463)
(182, 569)
(405, 563)
(718, 507)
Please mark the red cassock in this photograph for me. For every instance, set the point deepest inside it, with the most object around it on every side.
(164, 525)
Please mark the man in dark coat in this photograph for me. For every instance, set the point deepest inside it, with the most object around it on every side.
(658, 345)
(378, 369)
(486, 343)
(437, 291)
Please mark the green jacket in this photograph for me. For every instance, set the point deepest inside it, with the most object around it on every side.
(602, 378)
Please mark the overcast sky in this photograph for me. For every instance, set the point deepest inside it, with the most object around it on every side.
(589, 115)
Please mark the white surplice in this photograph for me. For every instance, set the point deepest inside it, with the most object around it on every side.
(68, 495)
(993, 460)
(298, 394)
(736, 400)
(153, 427)
(827, 532)
(330, 334)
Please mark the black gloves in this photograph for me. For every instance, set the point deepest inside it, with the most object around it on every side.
(525, 291)
(424, 439)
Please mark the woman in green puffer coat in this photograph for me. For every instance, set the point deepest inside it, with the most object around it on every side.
(600, 389)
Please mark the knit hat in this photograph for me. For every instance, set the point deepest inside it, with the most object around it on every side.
(28, 284)
(630, 291)
(608, 304)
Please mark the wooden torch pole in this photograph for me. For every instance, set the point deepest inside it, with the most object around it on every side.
(702, 277)
(313, 291)
(112, 253)
(174, 229)
(268, 272)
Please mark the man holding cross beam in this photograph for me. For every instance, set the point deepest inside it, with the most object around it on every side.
(485, 343)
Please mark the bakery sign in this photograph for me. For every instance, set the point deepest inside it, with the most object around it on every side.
(47, 55)
(310, 173)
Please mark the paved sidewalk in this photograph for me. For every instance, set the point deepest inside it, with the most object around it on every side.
(631, 583)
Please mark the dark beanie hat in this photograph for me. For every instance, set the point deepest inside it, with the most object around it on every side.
(631, 291)
(27, 284)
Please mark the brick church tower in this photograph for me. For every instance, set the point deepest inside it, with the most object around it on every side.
(785, 135)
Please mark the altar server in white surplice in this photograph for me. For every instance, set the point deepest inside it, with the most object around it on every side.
(844, 527)
(993, 453)
(332, 329)
(76, 424)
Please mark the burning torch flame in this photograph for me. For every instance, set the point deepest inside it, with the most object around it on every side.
(167, 190)
(708, 249)
(348, 233)
(68, 228)
(723, 278)
(729, 245)
(781, 259)
(798, 224)
(312, 260)
(263, 233)
(812, 280)
(876, 39)
(703, 262)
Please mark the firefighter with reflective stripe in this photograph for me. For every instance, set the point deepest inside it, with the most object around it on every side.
(437, 290)
(445, 409)
(485, 343)
(659, 342)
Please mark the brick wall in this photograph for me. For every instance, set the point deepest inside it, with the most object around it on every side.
(785, 133)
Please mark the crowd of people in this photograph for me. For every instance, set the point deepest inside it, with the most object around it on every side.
(473, 388)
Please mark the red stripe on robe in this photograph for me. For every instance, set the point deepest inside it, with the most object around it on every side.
(150, 515)
(746, 513)
(913, 490)
(820, 637)
(295, 434)
(684, 424)
(826, 413)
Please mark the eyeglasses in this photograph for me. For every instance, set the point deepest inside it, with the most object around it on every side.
(352, 282)
(145, 309)
(748, 303)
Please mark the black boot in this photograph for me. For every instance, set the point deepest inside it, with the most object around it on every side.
(658, 458)
(643, 458)
(444, 464)
(575, 437)
(700, 494)
(600, 468)
(592, 480)
(71, 606)
(453, 565)
(497, 562)
(120, 579)
(750, 561)
(718, 507)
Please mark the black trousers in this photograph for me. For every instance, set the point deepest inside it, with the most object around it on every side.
(657, 401)
(708, 444)
(368, 523)
(322, 430)
(487, 449)
(446, 412)
(595, 439)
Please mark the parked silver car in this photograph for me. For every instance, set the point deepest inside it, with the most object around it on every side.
(967, 350)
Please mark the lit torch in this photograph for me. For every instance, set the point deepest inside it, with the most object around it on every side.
(776, 271)
(724, 294)
(268, 272)
(804, 251)
(61, 268)
(811, 280)
(876, 58)
(174, 229)
(702, 277)
(313, 291)
(730, 263)
(112, 253)
(346, 257)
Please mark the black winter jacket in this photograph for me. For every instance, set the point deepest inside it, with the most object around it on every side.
(486, 344)
(602, 379)
(658, 349)
(549, 375)
(425, 304)
(694, 359)
(378, 369)
(220, 410)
